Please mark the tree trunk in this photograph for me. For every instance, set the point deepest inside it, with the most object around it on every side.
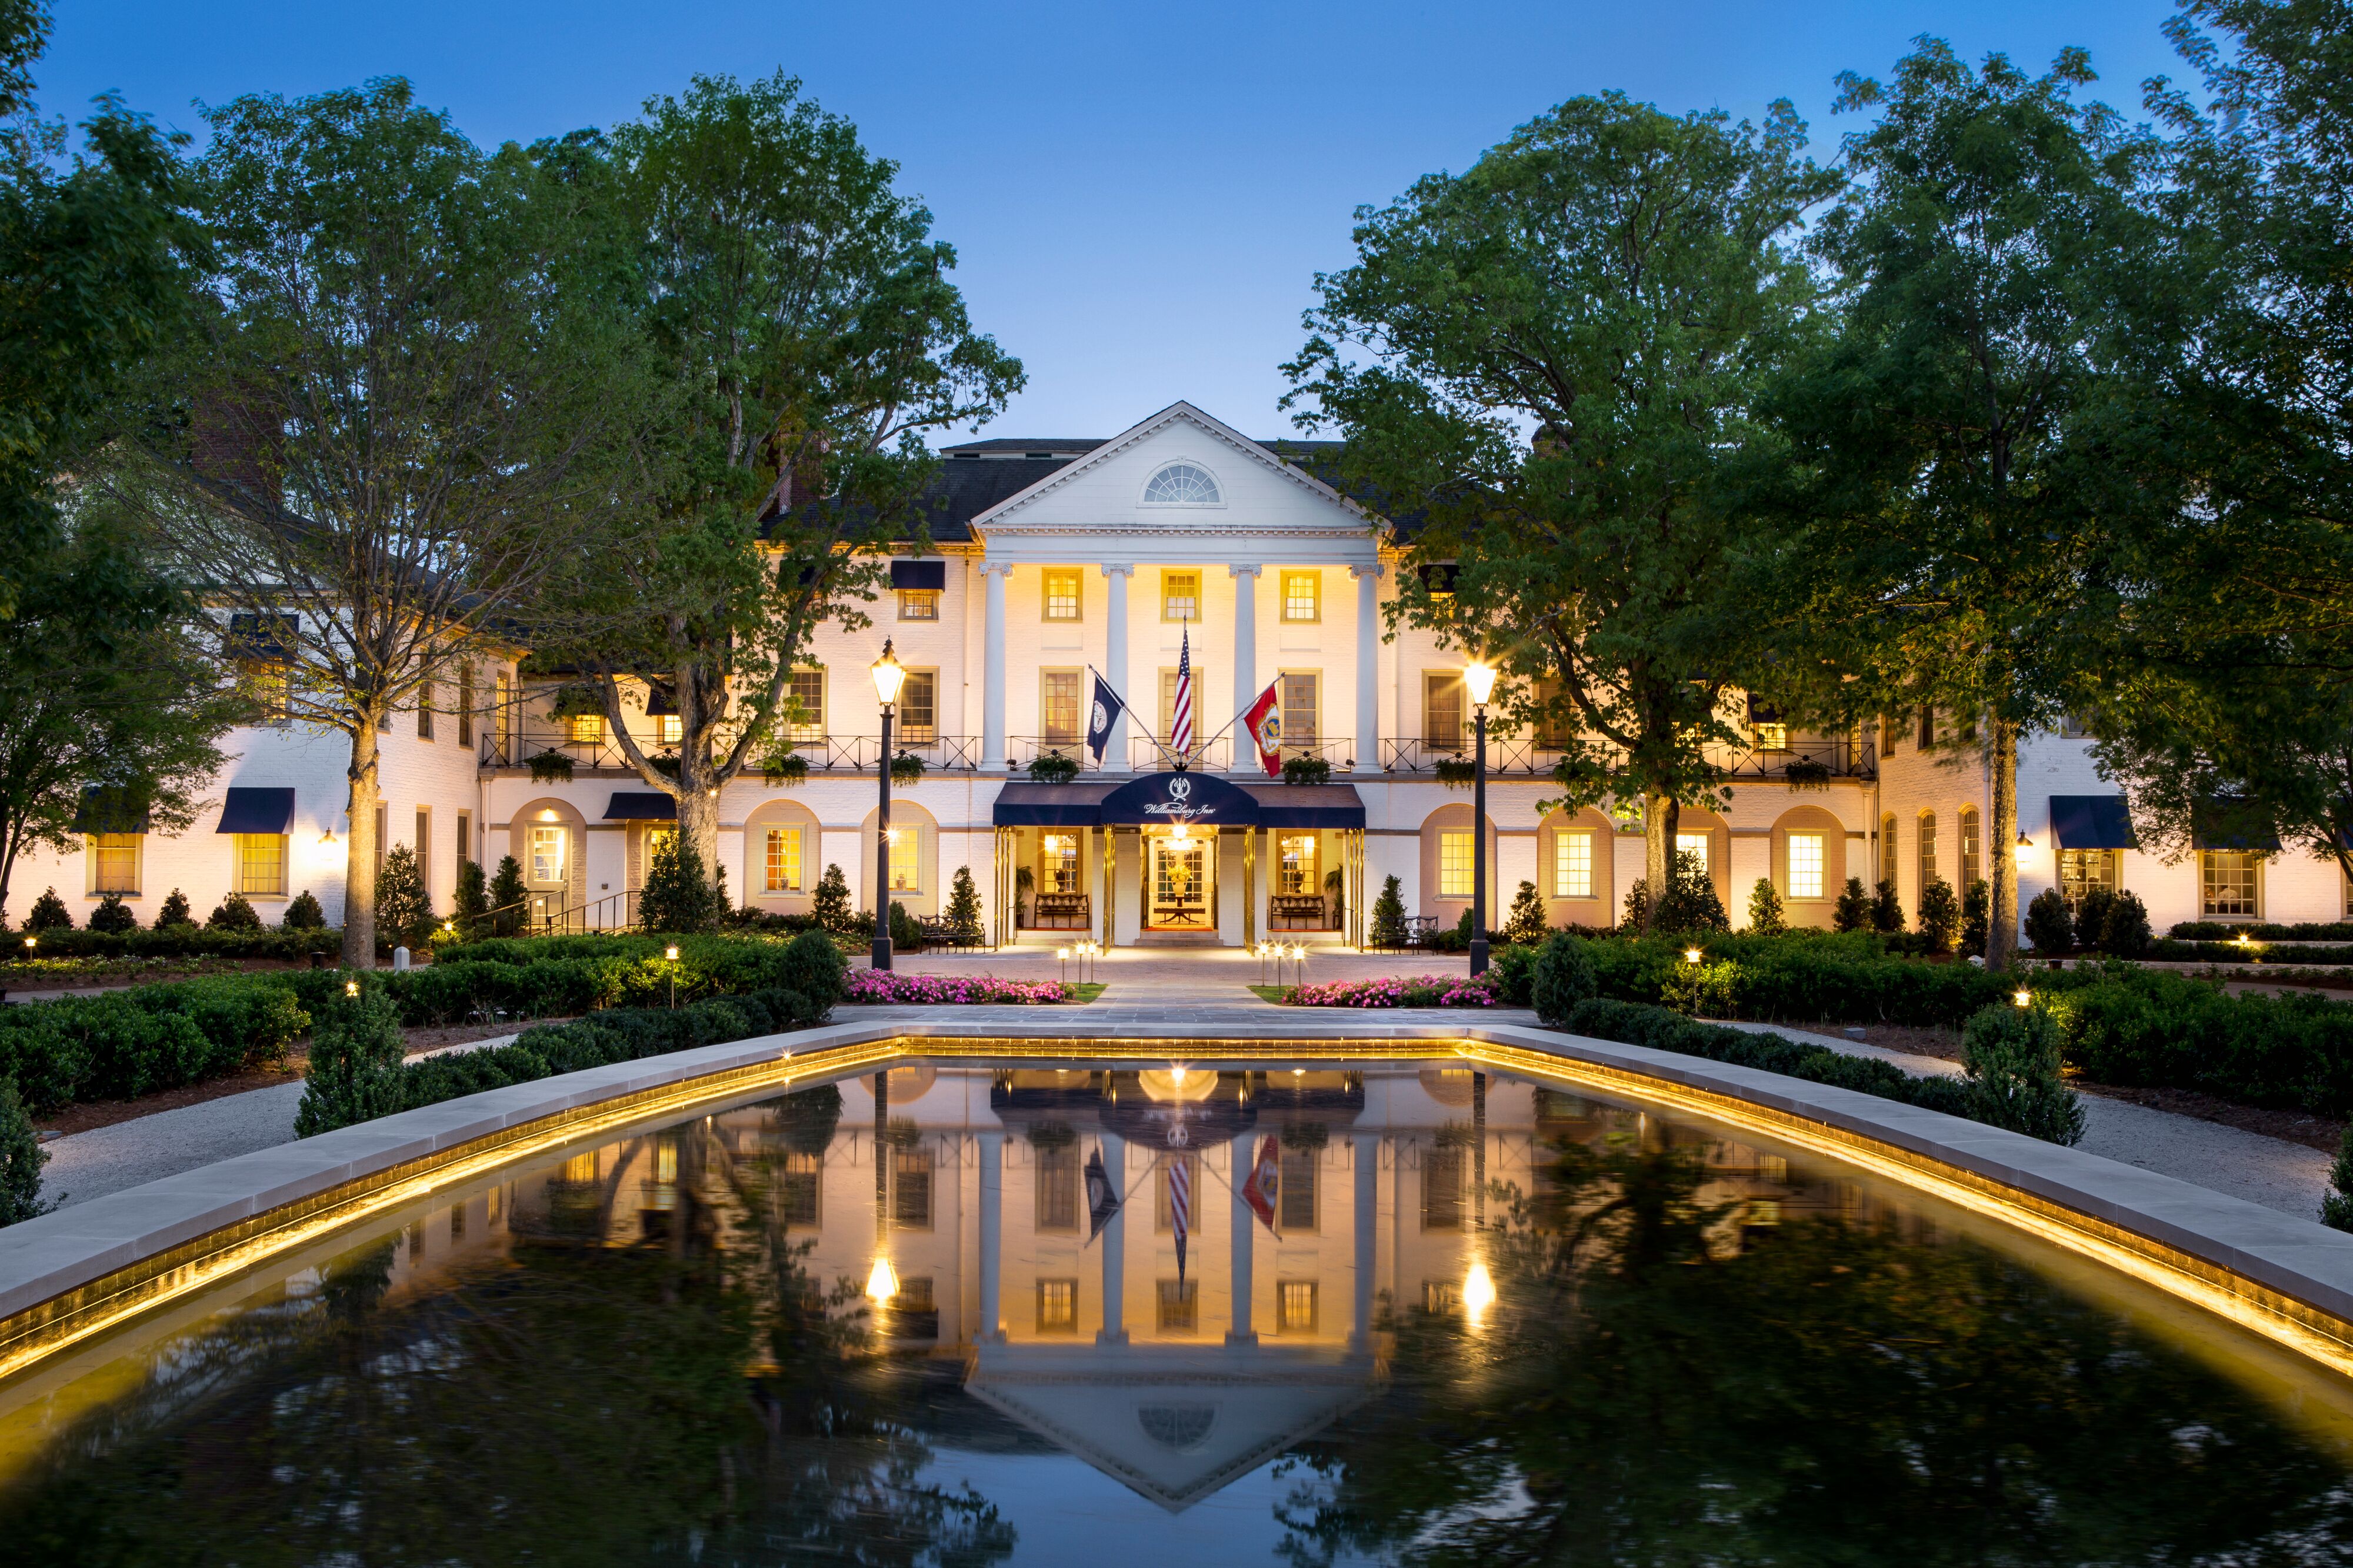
(2001, 919)
(1661, 817)
(359, 863)
(698, 816)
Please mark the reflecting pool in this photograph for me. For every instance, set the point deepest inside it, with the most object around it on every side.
(960, 1315)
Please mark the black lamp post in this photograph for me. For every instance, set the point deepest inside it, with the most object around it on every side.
(1479, 679)
(888, 675)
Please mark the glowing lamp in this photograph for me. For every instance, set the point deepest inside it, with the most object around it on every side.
(328, 836)
(889, 675)
(890, 835)
(1184, 830)
(670, 953)
(351, 987)
(1177, 1076)
(1693, 956)
(2025, 848)
(1478, 1291)
(882, 1282)
(1062, 952)
(2021, 997)
(1299, 1072)
(1479, 679)
(31, 942)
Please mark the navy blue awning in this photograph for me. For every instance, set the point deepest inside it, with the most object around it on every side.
(2092, 822)
(1203, 800)
(109, 808)
(2232, 825)
(659, 703)
(919, 574)
(641, 806)
(249, 810)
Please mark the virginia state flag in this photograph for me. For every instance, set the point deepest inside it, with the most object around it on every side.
(1264, 724)
(1107, 708)
(1102, 1196)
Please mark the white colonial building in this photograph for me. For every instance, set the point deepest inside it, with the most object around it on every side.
(1050, 560)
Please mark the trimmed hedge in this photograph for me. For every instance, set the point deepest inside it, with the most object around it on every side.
(617, 1034)
(186, 942)
(2153, 1029)
(2172, 951)
(2304, 930)
(1848, 976)
(145, 1038)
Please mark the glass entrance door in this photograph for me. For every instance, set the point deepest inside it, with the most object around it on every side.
(1179, 895)
(547, 873)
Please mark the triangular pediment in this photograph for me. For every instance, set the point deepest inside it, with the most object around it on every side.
(1108, 490)
(1176, 1428)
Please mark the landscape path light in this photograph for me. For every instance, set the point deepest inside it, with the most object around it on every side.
(889, 675)
(670, 953)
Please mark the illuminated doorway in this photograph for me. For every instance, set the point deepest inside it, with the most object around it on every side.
(1180, 882)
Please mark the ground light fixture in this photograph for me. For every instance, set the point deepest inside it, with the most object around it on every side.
(670, 953)
(889, 676)
(1063, 954)
(351, 987)
(1478, 681)
(31, 943)
(2021, 997)
(1478, 1292)
(1693, 956)
(882, 1282)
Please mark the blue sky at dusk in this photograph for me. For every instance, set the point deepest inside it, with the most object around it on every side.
(1141, 195)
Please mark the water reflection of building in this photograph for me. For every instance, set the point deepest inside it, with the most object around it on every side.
(969, 1183)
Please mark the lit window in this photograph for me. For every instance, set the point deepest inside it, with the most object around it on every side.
(585, 729)
(905, 874)
(547, 857)
(1180, 596)
(670, 729)
(807, 720)
(1572, 864)
(1694, 844)
(919, 708)
(1972, 848)
(1062, 591)
(1059, 854)
(2229, 877)
(919, 603)
(1182, 484)
(1294, 1307)
(115, 863)
(1057, 712)
(581, 1168)
(1295, 871)
(1302, 719)
(1772, 737)
(1805, 865)
(2084, 870)
(261, 863)
(1927, 850)
(784, 865)
(1454, 865)
(1888, 861)
(1442, 709)
(1058, 1306)
(1302, 595)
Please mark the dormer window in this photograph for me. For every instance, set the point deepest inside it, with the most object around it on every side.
(1182, 484)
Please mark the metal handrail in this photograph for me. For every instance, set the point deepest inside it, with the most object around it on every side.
(1528, 757)
(614, 911)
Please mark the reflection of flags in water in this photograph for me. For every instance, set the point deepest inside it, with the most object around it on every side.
(1180, 1209)
(1265, 1183)
(1180, 713)
(1102, 1196)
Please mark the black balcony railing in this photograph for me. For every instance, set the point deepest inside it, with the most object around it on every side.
(826, 754)
(1523, 757)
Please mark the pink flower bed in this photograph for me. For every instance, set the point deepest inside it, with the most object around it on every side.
(1398, 991)
(890, 986)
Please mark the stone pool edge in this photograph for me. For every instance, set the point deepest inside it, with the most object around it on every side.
(76, 1272)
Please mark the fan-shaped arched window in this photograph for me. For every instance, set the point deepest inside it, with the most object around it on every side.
(1182, 484)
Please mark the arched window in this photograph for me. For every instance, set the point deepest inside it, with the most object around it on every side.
(1182, 484)
(1927, 850)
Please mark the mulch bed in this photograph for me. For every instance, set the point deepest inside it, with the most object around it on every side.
(94, 1114)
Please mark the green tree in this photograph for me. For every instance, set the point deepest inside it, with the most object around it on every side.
(1940, 914)
(355, 1055)
(303, 913)
(95, 249)
(1852, 910)
(964, 910)
(235, 913)
(21, 1159)
(1950, 431)
(1886, 909)
(806, 339)
(404, 905)
(49, 913)
(508, 898)
(2011, 1058)
(1388, 916)
(1975, 901)
(677, 896)
(1766, 917)
(175, 911)
(471, 903)
(1526, 923)
(397, 421)
(1552, 359)
(832, 903)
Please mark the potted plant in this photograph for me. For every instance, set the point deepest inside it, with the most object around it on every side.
(1024, 878)
(1053, 767)
(1335, 890)
(551, 766)
(1305, 769)
(906, 768)
(1457, 772)
(783, 768)
(1806, 773)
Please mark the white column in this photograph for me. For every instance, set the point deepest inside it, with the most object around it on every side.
(1246, 682)
(1369, 668)
(989, 1330)
(1368, 1207)
(1114, 1245)
(1244, 1237)
(1118, 576)
(992, 691)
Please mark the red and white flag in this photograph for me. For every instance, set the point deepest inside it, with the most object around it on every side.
(1264, 723)
(1180, 1207)
(1180, 713)
(1264, 1188)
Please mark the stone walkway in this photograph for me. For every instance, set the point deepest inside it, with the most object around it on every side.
(1145, 991)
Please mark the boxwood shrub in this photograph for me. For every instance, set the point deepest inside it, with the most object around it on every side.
(188, 941)
(2156, 1028)
(145, 1038)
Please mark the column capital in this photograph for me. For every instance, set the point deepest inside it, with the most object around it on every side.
(1250, 569)
(1119, 568)
(1374, 571)
(997, 568)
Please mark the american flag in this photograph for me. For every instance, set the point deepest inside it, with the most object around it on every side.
(1180, 715)
(1180, 1207)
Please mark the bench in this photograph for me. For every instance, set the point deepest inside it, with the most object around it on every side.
(1061, 912)
(1295, 911)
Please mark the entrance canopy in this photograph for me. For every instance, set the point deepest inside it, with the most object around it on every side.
(1196, 800)
(2092, 822)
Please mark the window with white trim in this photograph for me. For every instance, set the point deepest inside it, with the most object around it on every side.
(1806, 860)
(1182, 484)
(1572, 863)
(2232, 883)
(1454, 864)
